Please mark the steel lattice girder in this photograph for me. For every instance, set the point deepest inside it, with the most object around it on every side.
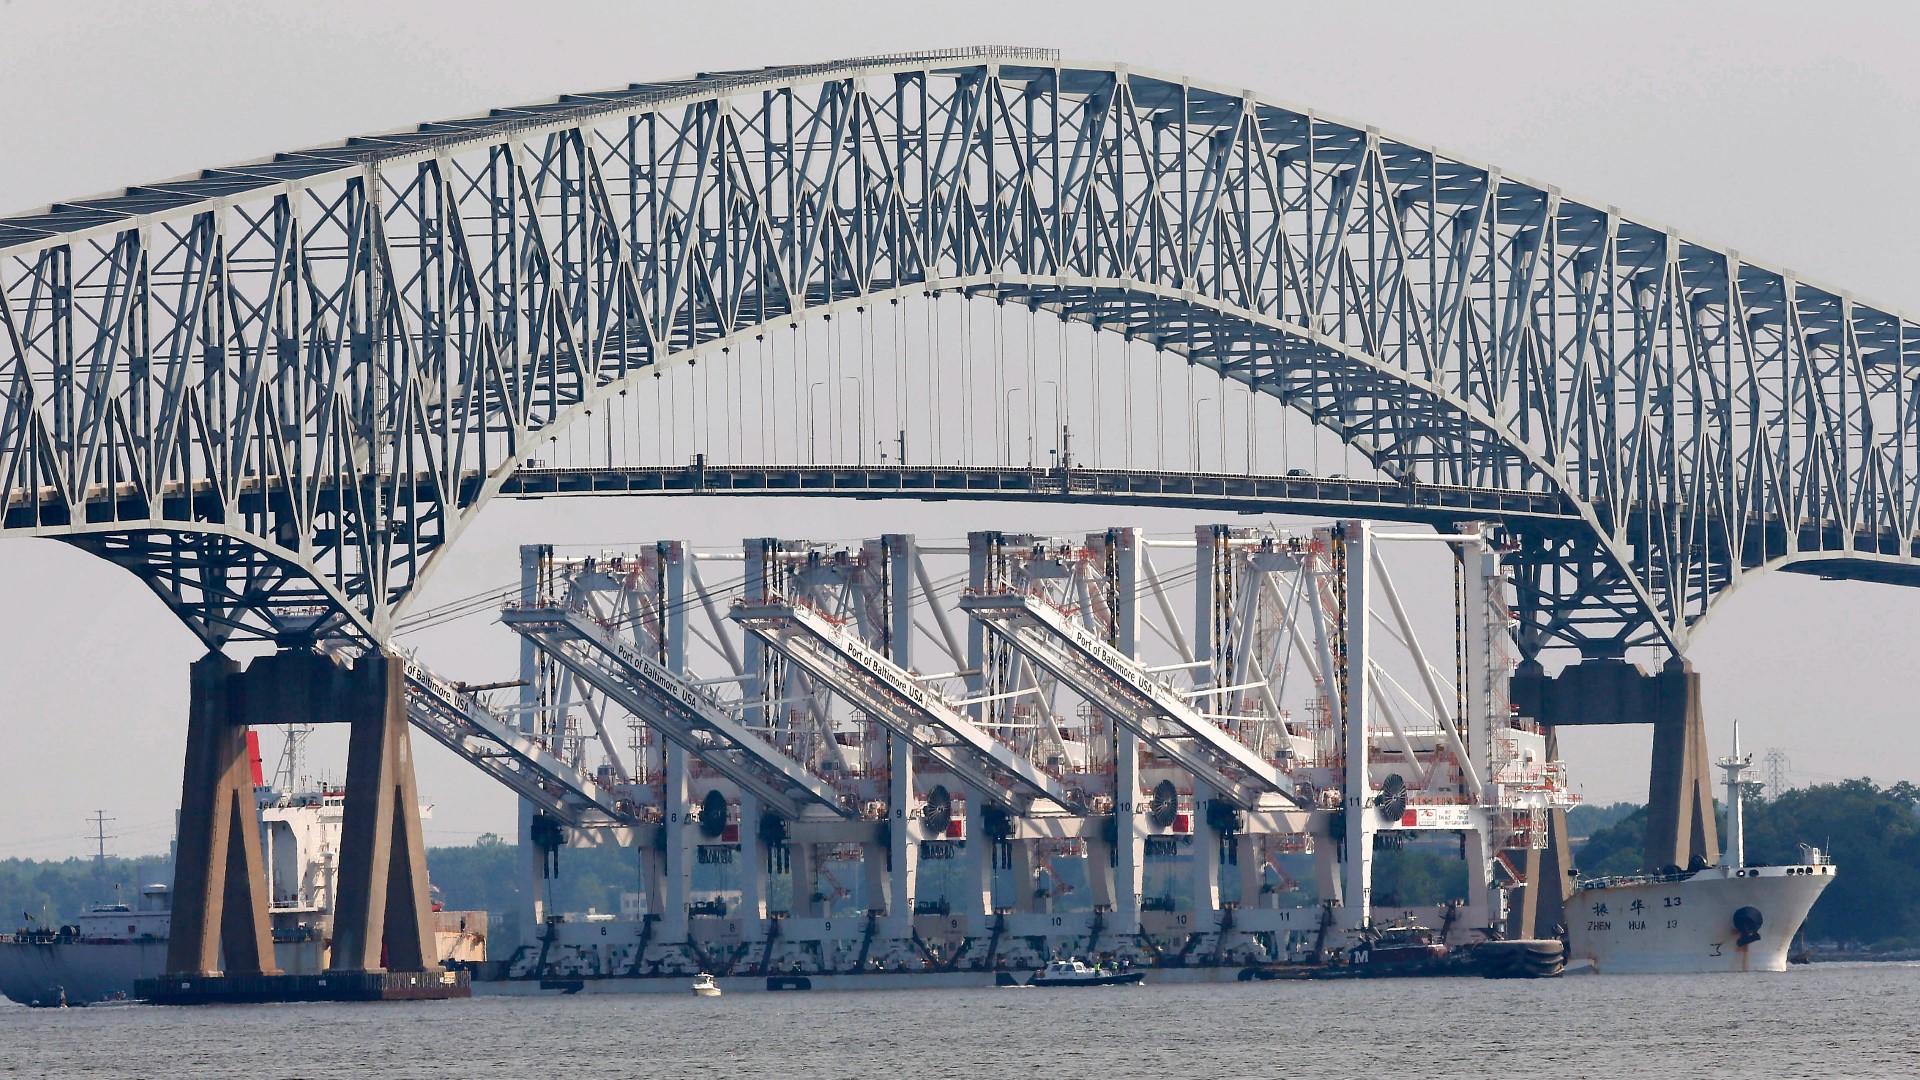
(312, 355)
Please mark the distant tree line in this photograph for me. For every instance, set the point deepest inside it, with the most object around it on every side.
(44, 893)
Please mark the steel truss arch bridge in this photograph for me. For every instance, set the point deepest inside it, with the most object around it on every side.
(276, 391)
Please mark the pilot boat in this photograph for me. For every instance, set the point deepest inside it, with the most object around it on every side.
(1075, 973)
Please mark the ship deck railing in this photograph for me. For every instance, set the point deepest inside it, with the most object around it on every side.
(1635, 879)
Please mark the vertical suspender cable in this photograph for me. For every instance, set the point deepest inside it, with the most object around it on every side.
(1160, 408)
(932, 355)
(1253, 445)
(833, 388)
(1003, 423)
(1099, 401)
(1066, 387)
(1220, 406)
(968, 389)
(1033, 382)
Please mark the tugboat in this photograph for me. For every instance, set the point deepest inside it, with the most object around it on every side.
(1405, 944)
(1075, 973)
(1731, 917)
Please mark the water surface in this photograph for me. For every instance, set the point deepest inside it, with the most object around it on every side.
(1826, 1021)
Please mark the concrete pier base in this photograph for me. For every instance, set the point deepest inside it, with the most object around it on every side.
(240, 989)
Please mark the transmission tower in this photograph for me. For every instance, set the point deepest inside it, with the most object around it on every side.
(100, 821)
(1777, 767)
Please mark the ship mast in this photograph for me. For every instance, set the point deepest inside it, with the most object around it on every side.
(1736, 765)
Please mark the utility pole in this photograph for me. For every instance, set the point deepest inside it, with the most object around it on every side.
(100, 821)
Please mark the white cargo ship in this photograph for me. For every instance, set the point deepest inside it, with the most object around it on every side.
(1731, 917)
(100, 953)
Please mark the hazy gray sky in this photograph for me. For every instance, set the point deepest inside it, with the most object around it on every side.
(1787, 131)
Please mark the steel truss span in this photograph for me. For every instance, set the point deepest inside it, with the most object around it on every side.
(264, 388)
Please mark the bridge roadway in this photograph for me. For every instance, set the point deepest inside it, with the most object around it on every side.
(1823, 548)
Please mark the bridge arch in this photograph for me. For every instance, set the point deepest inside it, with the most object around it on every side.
(307, 373)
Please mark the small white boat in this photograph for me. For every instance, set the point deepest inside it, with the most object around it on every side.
(1075, 973)
(705, 986)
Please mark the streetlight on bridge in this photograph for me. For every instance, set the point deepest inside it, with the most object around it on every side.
(1011, 413)
(811, 387)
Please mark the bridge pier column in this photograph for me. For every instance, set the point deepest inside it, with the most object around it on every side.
(1539, 908)
(219, 889)
(384, 917)
(1680, 824)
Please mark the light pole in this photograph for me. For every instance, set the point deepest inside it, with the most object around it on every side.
(811, 387)
(1053, 395)
(1194, 429)
(1012, 390)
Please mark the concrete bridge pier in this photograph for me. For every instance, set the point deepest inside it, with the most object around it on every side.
(1681, 830)
(383, 918)
(219, 888)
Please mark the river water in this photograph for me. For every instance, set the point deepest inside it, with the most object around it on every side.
(1827, 1021)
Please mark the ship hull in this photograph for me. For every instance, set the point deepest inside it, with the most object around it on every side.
(1691, 925)
(86, 971)
(90, 971)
